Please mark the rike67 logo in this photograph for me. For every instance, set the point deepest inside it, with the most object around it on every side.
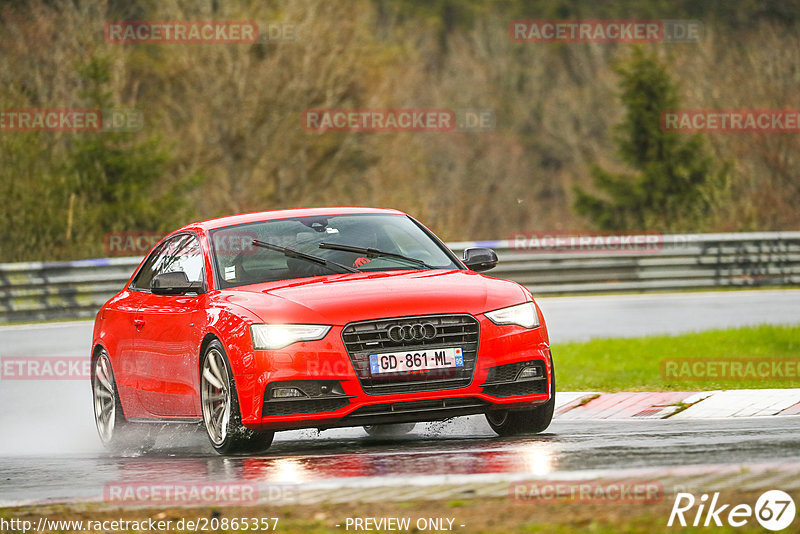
(774, 510)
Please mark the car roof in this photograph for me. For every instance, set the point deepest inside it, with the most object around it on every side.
(244, 218)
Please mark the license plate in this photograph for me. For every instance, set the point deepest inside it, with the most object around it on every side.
(400, 362)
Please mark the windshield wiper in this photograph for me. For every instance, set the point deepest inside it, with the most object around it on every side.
(373, 253)
(292, 253)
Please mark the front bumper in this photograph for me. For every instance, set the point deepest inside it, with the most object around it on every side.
(492, 385)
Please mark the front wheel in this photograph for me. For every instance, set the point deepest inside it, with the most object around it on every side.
(221, 416)
(530, 421)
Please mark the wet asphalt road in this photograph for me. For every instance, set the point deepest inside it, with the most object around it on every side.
(432, 453)
(49, 448)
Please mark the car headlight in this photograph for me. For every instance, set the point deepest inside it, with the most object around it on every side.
(522, 314)
(276, 336)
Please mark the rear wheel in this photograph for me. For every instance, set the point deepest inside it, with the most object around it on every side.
(220, 403)
(395, 429)
(115, 432)
(530, 421)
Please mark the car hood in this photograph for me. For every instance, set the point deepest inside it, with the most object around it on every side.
(343, 298)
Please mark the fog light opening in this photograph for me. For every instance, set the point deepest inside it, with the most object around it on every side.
(286, 393)
(530, 371)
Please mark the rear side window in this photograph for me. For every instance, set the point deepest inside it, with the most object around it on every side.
(180, 253)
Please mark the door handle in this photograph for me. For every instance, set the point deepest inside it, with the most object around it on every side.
(138, 323)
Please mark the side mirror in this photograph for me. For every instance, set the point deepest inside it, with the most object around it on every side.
(176, 283)
(480, 259)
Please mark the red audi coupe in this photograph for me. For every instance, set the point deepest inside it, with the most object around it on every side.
(321, 318)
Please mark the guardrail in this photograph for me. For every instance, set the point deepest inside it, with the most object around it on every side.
(76, 289)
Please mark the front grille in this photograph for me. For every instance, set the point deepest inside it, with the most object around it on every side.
(371, 337)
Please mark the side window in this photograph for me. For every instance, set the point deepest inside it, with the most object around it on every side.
(148, 270)
(181, 253)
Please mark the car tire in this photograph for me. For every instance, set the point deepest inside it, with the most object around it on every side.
(220, 407)
(530, 421)
(393, 429)
(116, 433)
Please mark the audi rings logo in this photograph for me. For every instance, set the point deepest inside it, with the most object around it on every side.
(412, 332)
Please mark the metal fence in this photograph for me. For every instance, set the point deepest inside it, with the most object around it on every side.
(544, 264)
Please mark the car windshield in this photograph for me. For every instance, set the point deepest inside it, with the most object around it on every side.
(394, 242)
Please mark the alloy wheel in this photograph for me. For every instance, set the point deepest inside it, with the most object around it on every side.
(216, 396)
(105, 398)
